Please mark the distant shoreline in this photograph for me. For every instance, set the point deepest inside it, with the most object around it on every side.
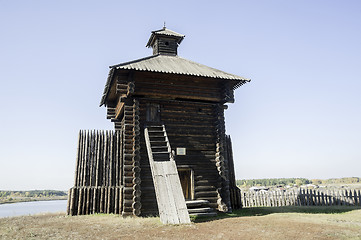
(7, 197)
(7, 201)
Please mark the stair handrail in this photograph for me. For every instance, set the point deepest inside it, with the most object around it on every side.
(147, 143)
(171, 152)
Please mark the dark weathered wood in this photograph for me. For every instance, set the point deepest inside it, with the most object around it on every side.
(112, 169)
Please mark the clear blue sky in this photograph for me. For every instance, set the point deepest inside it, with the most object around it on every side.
(299, 117)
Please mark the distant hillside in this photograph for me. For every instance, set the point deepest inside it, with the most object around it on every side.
(295, 181)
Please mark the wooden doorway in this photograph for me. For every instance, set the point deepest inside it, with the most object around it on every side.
(186, 178)
(153, 113)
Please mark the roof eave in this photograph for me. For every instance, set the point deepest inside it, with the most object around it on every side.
(240, 83)
(107, 86)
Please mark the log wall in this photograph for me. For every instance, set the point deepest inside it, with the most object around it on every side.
(192, 126)
(224, 201)
(179, 87)
(131, 159)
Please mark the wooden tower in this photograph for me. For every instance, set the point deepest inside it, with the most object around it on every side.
(165, 109)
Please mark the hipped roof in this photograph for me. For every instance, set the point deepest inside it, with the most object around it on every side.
(171, 64)
(164, 32)
(176, 65)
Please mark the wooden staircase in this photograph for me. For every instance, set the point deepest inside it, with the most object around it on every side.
(171, 204)
(200, 208)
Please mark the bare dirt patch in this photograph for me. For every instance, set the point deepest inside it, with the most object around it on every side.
(244, 224)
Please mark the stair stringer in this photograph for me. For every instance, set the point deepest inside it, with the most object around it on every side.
(169, 194)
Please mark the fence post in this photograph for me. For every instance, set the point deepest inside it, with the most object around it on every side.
(287, 198)
(347, 198)
(354, 200)
(282, 198)
(327, 198)
(350, 196)
(268, 199)
(295, 194)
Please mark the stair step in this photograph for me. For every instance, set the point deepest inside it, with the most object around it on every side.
(155, 128)
(156, 134)
(157, 139)
(196, 203)
(209, 214)
(159, 144)
(161, 153)
(200, 210)
(160, 148)
(161, 158)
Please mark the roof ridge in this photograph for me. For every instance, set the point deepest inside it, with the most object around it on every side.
(166, 31)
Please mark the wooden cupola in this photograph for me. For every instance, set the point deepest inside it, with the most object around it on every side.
(165, 41)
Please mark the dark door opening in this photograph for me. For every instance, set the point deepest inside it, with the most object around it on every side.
(186, 179)
(153, 113)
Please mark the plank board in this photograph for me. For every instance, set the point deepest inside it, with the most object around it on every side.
(168, 190)
(171, 203)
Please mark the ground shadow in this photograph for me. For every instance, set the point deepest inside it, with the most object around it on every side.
(262, 211)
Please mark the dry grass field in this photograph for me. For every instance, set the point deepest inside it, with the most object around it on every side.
(256, 223)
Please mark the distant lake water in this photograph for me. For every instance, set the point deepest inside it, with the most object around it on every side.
(30, 208)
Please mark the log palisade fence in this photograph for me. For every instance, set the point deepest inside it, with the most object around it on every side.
(98, 174)
(301, 197)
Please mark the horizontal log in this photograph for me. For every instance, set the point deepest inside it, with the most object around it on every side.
(205, 194)
(204, 188)
(128, 202)
(150, 213)
(176, 85)
(206, 182)
(172, 94)
(127, 210)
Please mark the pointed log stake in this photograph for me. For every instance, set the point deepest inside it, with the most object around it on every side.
(77, 160)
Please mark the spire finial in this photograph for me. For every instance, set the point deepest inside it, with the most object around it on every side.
(164, 25)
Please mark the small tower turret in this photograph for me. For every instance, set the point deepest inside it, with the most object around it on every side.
(165, 41)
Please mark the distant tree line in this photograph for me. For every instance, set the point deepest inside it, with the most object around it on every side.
(33, 193)
(349, 180)
(272, 182)
(295, 181)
